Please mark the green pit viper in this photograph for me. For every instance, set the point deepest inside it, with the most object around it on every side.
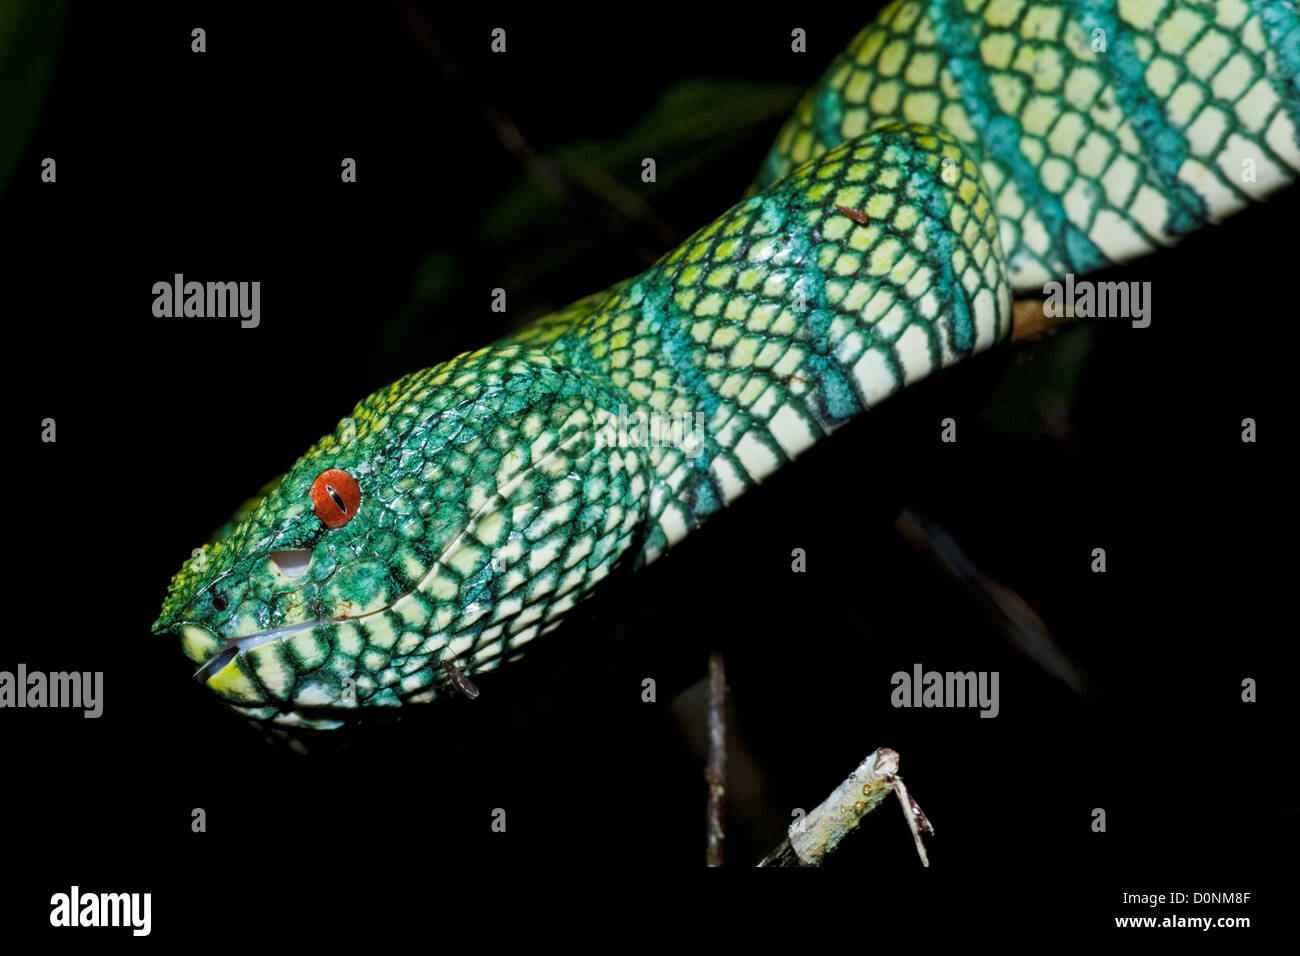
(957, 153)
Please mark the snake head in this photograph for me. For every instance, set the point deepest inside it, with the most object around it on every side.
(454, 516)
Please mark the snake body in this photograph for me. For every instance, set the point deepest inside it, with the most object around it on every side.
(955, 154)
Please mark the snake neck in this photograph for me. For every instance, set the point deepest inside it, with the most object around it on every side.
(856, 275)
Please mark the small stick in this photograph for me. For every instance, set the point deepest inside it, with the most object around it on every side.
(1030, 320)
(821, 831)
(716, 772)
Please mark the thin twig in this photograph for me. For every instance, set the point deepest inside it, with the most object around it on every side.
(821, 831)
(1010, 613)
(716, 773)
(555, 181)
(1029, 319)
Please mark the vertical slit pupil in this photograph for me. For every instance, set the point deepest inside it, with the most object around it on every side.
(338, 499)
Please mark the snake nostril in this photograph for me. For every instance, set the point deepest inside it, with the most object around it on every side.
(292, 564)
(218, 603)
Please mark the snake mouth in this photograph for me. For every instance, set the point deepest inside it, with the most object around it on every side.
(235, 645)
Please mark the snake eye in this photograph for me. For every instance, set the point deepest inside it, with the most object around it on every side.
(336, 496)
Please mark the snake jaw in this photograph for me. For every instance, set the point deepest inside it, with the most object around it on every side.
(236, 645)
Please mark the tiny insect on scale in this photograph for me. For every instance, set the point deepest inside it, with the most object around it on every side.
(857, 215)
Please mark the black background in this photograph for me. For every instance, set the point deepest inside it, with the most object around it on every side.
(225, 165)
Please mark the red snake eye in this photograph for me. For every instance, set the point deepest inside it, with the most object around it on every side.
(336, 496)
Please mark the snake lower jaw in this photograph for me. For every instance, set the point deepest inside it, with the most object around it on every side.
(224, 654)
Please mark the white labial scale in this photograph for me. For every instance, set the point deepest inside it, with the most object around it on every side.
(273, 671)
